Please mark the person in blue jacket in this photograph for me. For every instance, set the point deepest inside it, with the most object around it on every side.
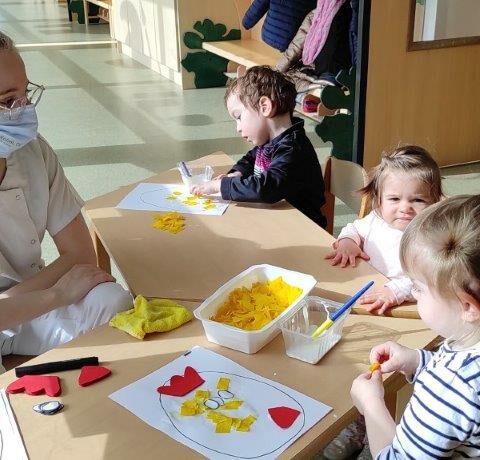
(283, 163)
(282, 22)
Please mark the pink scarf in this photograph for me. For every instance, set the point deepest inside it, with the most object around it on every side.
(318, 33)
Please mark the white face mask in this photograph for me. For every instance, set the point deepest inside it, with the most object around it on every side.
(14, 134)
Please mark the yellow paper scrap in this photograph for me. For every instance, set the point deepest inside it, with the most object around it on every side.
(246, 423)
(223, 383)
(251, 309)
(374, 366)
(191, 407)
(224, 423)
(202, 394)
(172, 222)
(171, 197)
(176, 193)
(232, 405)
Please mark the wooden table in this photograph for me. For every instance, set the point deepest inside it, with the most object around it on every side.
(212, 249)
(93, 426)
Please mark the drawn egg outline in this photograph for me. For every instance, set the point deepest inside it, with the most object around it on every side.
(290, 432)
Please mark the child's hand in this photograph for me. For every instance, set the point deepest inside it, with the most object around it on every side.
(367, 389)
(78, 282)
(232, 174)
(345, 253)
(395, 357)
(381, 300)
(206, 189)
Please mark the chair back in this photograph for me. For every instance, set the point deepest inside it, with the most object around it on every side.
(342, 179)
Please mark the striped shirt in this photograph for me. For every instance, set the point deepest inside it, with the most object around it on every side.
(262, 162)
(442, 419)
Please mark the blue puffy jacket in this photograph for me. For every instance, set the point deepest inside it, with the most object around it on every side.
(284, 17)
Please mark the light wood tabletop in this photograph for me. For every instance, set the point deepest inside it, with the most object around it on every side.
(93, 426)
(247, 52)
(192, 264)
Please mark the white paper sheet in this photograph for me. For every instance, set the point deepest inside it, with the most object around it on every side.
(265, 440)
(11, 443)
(153, 197)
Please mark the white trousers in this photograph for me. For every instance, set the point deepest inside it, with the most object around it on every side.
(65, 323)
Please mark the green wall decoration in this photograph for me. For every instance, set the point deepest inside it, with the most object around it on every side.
(339, 128)
(208, 67)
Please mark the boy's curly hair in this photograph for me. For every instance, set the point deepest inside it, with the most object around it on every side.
(262, 81)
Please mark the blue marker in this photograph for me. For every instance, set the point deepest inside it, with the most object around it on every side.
(335, 315)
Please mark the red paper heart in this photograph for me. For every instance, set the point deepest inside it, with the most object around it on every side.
(283, 416)
(36, 384)
(92, 374)
(180, 385)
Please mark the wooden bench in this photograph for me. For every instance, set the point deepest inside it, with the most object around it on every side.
(247, 52)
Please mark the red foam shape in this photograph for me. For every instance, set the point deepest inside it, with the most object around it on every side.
(180, 385)
(283, 416)
(92, 374)
(36, 385)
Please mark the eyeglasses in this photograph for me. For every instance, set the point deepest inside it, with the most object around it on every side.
(13, 109)
(217, 401)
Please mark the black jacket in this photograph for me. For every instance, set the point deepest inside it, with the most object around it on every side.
(294, 175)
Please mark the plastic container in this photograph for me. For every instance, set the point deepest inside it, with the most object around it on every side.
(199, 175)
(299, 325)
(238, 339)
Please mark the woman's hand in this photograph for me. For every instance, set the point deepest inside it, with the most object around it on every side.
(78, 282)
(345, 252)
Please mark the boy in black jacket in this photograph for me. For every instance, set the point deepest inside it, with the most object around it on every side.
(283, 164)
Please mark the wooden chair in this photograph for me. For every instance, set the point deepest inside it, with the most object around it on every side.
(342, 178)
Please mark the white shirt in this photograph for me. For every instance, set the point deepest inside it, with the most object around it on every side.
(35, 197)
(381, 242)
(442, 419)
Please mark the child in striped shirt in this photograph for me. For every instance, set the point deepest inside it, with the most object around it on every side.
(283, 164)
(440, 251)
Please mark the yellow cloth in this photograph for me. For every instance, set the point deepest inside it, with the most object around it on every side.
(155, 315)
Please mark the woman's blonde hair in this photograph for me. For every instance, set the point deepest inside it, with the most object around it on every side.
(442, 246)
(410, 159)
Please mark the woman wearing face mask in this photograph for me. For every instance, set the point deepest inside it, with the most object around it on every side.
(36, 197)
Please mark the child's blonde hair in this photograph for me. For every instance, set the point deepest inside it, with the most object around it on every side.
(411, 159)
(442, 246)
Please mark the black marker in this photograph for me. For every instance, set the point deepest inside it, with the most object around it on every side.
(56, 366)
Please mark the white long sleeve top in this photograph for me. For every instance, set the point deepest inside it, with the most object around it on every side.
(381, 243)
